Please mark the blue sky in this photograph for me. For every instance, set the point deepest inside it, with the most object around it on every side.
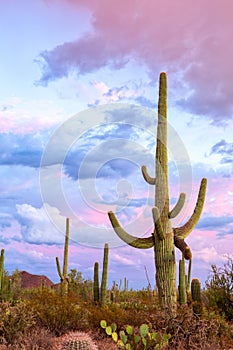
(78, 100)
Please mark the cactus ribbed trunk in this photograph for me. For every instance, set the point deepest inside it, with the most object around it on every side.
(164, 248)
(166, 272)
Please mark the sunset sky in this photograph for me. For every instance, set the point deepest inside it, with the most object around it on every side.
(78, 116)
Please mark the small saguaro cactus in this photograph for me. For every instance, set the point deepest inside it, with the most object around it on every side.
(184, 281)
(104, 280)
(100, 293)
(63, 274)
(126, 284)
(2, 269)
(164, 238)
(96, 283)
(196, 296)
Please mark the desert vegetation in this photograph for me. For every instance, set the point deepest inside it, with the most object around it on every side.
(45, 318)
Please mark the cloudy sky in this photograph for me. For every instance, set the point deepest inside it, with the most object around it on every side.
(78, 100)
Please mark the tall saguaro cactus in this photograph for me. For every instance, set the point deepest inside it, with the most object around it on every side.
(164, 238)
(64, 274)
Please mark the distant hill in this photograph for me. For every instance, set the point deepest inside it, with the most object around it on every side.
(29, 280)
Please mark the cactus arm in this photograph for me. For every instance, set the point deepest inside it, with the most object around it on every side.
(189, 276)
(150, 180)
(157, 222)
(177, 208)
(183, 247)
(182, 286)
(59, 269)
(142, 243)
(186, 229)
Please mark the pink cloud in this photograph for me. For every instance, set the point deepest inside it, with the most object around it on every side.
(18, 116)
(183, 36)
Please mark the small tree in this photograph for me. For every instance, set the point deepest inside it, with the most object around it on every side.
(220, 288)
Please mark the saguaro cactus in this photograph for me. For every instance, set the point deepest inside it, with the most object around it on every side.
(196, 296)
(104, 280)
(64, 274)
(96, 283)
(184, 282)
(164, 238)
(2, 269)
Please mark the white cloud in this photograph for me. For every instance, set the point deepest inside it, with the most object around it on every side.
(36, 226)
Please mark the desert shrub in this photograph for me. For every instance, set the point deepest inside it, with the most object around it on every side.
(35, 339)
(115, 313)
(211, 332)
(57, 313)
(219, 289)
(16, 319)
(144, 296)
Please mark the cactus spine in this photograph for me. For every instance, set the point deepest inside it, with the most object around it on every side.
(2, 269)
(64, 274)
(164, 237)
(96, 283)
(104, 280)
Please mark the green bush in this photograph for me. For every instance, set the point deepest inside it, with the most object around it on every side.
(219, 289)
(16, 319)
